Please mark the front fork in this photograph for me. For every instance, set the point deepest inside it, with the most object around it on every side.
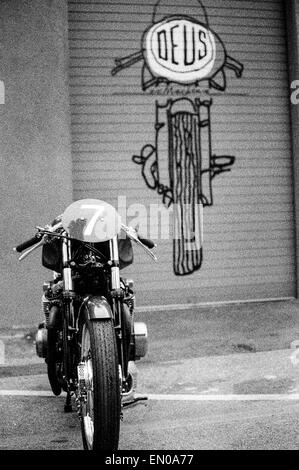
(69, 326)
(117, 296)
(68, 313)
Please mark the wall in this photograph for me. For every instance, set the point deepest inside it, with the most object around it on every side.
(292, 10)
(248, 233)
(35, 155)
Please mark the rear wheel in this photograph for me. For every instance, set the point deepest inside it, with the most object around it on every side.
(101, 407)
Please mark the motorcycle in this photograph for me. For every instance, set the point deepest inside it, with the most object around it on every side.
(89, 338)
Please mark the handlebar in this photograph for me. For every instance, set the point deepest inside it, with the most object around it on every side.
(43, 233)
(149, 243)
(146, 244)
(38, 238)
(32, 241)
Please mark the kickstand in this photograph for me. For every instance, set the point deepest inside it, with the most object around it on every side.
(68, 403)
(135, 400)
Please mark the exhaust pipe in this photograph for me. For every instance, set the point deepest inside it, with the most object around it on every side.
(41, 341)
(140, 340)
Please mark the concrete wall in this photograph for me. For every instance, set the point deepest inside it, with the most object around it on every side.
(35, 154)
(292, 17)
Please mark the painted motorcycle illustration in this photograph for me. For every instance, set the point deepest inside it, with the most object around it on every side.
(89, 338)
(179, 53)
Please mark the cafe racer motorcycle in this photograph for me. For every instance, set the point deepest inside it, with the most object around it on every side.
(89, 337)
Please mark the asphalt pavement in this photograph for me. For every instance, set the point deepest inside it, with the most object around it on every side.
(241, 395)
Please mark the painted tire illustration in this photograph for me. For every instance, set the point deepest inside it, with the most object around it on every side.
(185, 182)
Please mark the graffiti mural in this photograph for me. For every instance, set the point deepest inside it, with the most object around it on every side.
(179, 54)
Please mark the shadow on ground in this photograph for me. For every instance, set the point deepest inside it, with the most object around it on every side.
(185, 334)
(221, 330)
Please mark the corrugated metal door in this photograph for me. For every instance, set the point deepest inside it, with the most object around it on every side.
(248, 250)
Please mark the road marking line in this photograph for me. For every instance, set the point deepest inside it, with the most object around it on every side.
(226, 397)
(174, 397)
(26, 393)
(161, 308)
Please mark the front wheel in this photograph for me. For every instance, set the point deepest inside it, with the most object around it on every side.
(100, 392)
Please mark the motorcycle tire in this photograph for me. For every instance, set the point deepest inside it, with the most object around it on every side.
(101, 412)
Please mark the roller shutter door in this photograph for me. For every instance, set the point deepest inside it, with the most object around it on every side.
(248, 250)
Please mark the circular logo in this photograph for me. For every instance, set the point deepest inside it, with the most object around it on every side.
(180, 50)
